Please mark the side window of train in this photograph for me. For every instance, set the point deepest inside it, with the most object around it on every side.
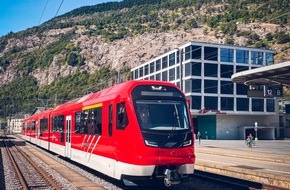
(28, 126)
(89, 121)
(43, 125)
(79, 123)
(58, 123)
(96, 121)
(122, 118)
(33, 125)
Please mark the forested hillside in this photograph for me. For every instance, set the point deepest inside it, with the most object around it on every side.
(83, 50)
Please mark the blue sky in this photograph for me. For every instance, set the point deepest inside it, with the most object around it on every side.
(17, 15)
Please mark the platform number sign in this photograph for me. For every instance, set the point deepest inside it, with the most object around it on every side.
(274, 91)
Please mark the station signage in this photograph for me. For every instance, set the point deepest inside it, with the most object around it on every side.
(255, 91)
(274, 91)
(265, 91)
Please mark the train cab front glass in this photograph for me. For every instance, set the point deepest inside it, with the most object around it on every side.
(162, 116)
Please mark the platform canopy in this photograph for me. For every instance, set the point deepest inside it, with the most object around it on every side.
(277, 74)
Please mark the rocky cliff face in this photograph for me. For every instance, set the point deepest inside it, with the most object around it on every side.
(130, 51)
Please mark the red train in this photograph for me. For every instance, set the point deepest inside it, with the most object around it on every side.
(136, 129)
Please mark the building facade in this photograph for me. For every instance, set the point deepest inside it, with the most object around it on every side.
(14, 125)
(220, 109)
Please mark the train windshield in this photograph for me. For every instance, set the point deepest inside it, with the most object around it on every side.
(162, 114)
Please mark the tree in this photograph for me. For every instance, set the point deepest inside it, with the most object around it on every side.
(72, 59)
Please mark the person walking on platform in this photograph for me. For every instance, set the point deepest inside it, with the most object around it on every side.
(249, 140)
(198, 137)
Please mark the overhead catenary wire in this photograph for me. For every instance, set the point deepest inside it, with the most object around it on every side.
(43, 11)
(59, 8)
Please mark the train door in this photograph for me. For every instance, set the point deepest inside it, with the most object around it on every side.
(112, 145)
(37, 133)
(68, 137)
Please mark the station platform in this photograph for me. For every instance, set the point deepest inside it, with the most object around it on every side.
(267, 162)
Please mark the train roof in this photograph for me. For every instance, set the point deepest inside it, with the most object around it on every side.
(121, 90)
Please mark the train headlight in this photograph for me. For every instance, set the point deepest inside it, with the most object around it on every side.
(187, 143)
(151, 143)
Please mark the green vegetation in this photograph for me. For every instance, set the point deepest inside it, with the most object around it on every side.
(23, 94)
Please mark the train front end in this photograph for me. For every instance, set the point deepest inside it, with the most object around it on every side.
(166, 144)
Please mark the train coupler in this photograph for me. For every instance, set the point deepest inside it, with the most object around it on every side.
(172, 177)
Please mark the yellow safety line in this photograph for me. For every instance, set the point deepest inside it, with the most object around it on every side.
(93, 106)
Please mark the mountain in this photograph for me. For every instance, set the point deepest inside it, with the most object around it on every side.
(85, 49)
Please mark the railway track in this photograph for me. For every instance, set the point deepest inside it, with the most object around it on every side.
(28, 175)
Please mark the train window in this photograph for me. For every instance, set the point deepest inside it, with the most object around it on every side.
(96, 121)
(28, 126)
(122, 118)
(110, 120)
(58, 123)
(33, 125)
(89, 121)
(174, 114)
(43, 125)
(79, 123)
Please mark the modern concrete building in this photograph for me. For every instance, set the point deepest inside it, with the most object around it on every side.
(220, 109)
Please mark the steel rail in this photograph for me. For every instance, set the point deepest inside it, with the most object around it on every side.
(16, 168)
(40, 171)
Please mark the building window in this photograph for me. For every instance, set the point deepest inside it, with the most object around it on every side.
(242, 56)
(269, 59)
(196, 69)
(146, 69)
(210, 70)
(196, 52)
(158, 65)
(141, 72)
(227, 55)
(242, 104)
(151, 77)
(210, 86)
(187, 69)
(227, 103)
(177, 72)
(257, 104)
(196, 85)
(227, 87)
(242, 89)
(164, 62)
(270, 105)
(210, 102)
(152, 68)
(171, 59)
(257, 58)
(196, 102)
(210, 53)
(187, 86)
(164, 76)
(172, 74)
(178, 84)
(158, 77)
(227, 71)
(187, 53)
(136, 74)
(241, 68)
